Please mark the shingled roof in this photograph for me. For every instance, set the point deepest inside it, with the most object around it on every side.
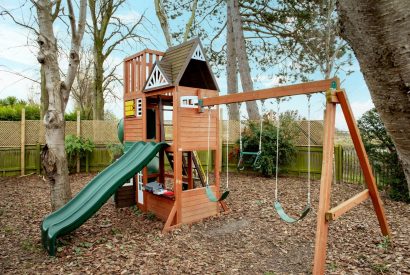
(184, 65)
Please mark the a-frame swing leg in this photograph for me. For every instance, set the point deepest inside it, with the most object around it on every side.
(322, 228)
(364, 162)
(324, 213)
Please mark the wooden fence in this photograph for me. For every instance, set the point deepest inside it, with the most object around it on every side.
(347, 167)
(10, 160)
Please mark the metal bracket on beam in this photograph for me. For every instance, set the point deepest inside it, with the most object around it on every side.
(331, 96)
(200, 105)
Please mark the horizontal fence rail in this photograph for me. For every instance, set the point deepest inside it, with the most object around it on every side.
(347, 167)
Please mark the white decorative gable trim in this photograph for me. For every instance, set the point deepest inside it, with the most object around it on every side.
(198, 55)
(156, 79)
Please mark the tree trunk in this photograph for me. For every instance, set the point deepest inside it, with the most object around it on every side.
(231, 66)
(98, 95)
(379, 33)
(53, 156)
(44, 94)
(242, 58)
(162, 17)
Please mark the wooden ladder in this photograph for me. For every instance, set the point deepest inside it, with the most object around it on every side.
(200, 174)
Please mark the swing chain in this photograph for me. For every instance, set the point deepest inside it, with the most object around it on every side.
(309, 144)
(227, 149)
(209, 137)
(277, 147)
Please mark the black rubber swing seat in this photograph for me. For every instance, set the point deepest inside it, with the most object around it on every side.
(285, 217)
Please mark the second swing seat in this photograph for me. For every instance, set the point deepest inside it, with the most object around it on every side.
(255, 163)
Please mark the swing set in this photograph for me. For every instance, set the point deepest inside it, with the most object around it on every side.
(180, 81)
(334, 96)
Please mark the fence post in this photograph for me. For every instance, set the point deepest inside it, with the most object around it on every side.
(23, 142)
(339, 162)
(38, 159)
(87, 162)
(78, 135)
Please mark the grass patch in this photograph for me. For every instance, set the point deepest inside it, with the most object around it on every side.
(385, 243)
(380, 268)
(151, 216)
(28, 245)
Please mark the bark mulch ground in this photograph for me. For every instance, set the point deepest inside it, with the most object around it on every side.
(249, 240)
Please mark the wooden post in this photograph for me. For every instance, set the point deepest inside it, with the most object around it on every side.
(364, 162)
(23, 142)
(322, 228)
(38, 158)
(338, 162)
(87, 162)
(178, 183)
(78, 135)
(218, 154)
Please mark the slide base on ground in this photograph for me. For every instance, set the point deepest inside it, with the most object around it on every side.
(93, 196)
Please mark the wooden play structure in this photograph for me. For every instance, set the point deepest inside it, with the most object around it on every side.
(157, 83)
(181, 82)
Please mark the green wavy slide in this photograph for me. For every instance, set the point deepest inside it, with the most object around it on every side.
(90, 199)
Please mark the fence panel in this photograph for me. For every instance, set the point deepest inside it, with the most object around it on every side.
(352, 172)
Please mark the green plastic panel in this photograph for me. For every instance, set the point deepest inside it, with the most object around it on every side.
(120, 130)
(90, 199)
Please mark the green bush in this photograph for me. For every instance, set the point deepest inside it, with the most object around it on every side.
(383, 154)
(13, 112)
(10, 110)
(77, 146)
(287, 148)
(115, 150)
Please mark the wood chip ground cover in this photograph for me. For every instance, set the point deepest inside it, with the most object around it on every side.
(250, 239)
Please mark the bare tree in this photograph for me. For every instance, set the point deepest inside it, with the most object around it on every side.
(54, 157)
(161, 12)
(163, 20)
(242, 57)
(83, 86)
(231, 65)
(108, 32)
(378, 32)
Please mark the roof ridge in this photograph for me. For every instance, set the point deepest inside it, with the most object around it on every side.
(195, 39)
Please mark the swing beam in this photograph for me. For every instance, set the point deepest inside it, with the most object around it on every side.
(290, 90)
(335, 95)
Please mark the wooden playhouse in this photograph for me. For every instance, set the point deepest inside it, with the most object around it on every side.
(166, 86)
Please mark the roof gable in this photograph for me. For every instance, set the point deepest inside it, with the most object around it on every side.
(157, 78)
(176, 62)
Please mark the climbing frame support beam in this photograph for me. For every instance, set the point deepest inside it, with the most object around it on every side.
(322, 228)
(345, 206)
(364, 162)
(290, 90)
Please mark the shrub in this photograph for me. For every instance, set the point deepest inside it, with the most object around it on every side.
(287, 135)
(383, 154)
(10, 110)
(77, 146)
(115, 150)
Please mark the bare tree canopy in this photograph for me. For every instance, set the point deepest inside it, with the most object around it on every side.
(108, 32)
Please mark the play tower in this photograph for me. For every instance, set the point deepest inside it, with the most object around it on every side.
(166, 86)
